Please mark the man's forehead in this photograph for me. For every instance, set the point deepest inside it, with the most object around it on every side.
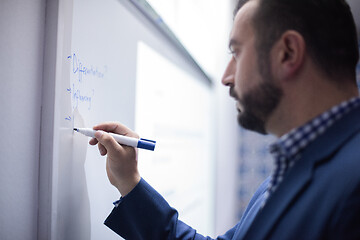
(242, 21)
(246, 12)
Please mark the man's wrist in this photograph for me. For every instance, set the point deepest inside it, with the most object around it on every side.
(127, 187)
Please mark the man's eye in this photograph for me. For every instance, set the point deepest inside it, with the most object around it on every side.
(234, 53)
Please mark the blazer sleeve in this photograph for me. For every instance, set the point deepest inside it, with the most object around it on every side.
(144, 214)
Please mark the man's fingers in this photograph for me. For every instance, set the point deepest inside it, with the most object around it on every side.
(106, 142)
(115, 127)
(93, 141)
(102, 149)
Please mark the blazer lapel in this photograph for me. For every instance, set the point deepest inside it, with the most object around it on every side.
(300, 175)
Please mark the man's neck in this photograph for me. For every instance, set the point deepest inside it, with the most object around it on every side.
(304, 102)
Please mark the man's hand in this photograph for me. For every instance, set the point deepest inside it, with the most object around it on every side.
(121, 162)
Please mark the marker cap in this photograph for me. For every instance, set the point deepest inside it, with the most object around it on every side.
(146, 144)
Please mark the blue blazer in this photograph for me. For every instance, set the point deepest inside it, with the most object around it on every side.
(319, 198)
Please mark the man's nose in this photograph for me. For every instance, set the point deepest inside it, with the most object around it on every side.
(229, 74)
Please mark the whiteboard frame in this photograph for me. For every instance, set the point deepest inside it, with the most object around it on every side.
(145, 8)
(54, 33)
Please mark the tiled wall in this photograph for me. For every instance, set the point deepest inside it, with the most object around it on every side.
(358, 70)
(255, 164)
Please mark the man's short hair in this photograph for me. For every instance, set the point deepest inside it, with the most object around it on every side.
(327, 27)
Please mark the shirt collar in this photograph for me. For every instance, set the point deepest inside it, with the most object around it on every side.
(293, 143)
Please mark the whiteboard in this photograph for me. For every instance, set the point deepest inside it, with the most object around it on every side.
(104, 70)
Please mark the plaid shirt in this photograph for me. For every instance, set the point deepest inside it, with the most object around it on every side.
(287, 149)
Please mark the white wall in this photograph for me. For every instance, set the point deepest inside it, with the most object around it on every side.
(21, 61)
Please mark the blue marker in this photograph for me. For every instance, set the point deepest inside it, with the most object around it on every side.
(128, 141)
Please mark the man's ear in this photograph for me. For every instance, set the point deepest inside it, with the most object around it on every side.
(288, 54)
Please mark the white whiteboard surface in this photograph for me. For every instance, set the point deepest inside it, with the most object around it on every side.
(96, 69)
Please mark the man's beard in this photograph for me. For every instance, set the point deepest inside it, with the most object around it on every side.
(257, 105)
